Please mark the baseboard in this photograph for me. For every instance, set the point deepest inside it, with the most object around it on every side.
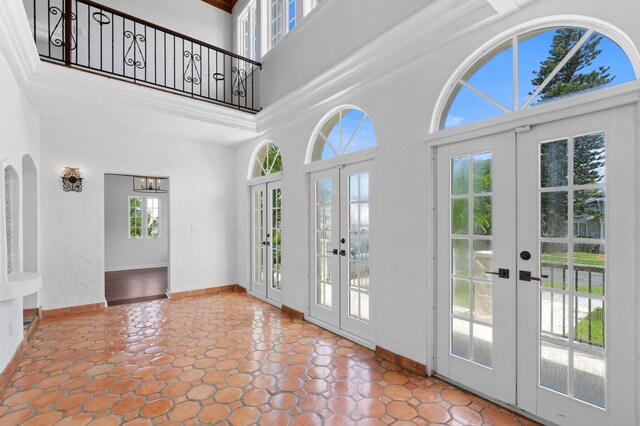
(92, 307)
(13, 364)
(235, 288)
(133, 268)
(32, 312)
(292, 312)
(402, 361)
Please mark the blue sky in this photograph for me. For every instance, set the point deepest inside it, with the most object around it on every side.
(351, 119)
(495, 78)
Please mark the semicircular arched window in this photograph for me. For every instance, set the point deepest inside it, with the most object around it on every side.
(345, 132)
(534, 67)
(268, 161)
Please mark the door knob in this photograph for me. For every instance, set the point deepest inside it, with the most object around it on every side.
(502, 273)
(526, 276)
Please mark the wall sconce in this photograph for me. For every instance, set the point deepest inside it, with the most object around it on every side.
(148, 184)
(71, 180)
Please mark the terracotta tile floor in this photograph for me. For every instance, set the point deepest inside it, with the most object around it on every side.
(227, 359)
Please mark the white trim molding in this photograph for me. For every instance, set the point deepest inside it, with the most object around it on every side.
(17, 40)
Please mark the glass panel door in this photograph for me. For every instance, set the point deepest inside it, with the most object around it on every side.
(341, 290)
(325, 259)
(576, 184)
(266, 240)
(476, 264)
(274, 247)
(355, 249)
(259, 240)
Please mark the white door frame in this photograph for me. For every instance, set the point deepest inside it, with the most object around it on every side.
(601, 100)
(367, 155)
(251, 184)
(498, 380)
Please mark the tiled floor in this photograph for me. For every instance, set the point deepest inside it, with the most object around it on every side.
(227, 359)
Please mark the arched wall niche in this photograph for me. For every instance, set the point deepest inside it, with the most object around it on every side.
(29, 214)
(11, 219)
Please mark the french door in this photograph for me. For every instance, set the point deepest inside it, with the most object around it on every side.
(536, 273)
(475, 274)
(340, 290)
(266, 240)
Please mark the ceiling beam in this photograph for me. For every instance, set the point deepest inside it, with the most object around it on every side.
(226, 5)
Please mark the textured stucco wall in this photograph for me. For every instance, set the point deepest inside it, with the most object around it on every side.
(202, 238)
(19, 136)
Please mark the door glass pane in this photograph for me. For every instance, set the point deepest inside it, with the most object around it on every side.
(553, 164)
(482, 258)
(482, 344)
(588, 213)
(554, 214)
(276, 239)
(460, 295)
(258, 237)
(589, 378)
(482, 215)
(324, 280)
(472, 257)
(359, 246)
(460, 338)
(554, 364)
(460, 216)
(589, 268)
(573, 267)
(554, 260)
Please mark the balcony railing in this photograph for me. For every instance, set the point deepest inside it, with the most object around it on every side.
(96, 38)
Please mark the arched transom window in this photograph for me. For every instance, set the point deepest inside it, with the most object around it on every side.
(345, 132)
(268, 161)
(531, 68)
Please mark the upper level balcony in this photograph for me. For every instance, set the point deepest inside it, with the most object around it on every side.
(91, 37)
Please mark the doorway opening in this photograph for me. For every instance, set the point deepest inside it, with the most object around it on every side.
(136, 212)
(265, 186)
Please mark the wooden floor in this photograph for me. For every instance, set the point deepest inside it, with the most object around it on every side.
(138, 285)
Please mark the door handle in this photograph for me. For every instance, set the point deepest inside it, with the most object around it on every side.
(526, 276)
(502, 273)
(334, 251)
(266, 243)
(343, 252)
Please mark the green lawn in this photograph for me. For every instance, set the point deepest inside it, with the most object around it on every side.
(596, 317)
(579, 258)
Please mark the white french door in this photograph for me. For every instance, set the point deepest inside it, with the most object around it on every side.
(476, 267)
(556, 207)
(266, 240)
(575, 324)
(340, 293)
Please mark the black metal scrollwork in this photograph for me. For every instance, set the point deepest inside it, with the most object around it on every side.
(191, 71)
(239, 86)
(101, 18)
(218, 76)
(132, 58)
(56, 36)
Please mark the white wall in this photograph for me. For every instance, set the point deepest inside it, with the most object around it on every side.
(400, 94)
(125, 140)
(122, 252)
(19, 128)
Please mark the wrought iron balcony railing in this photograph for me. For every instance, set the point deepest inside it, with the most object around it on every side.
(96, 38)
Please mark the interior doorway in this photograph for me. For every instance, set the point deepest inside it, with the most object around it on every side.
(136, 211)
